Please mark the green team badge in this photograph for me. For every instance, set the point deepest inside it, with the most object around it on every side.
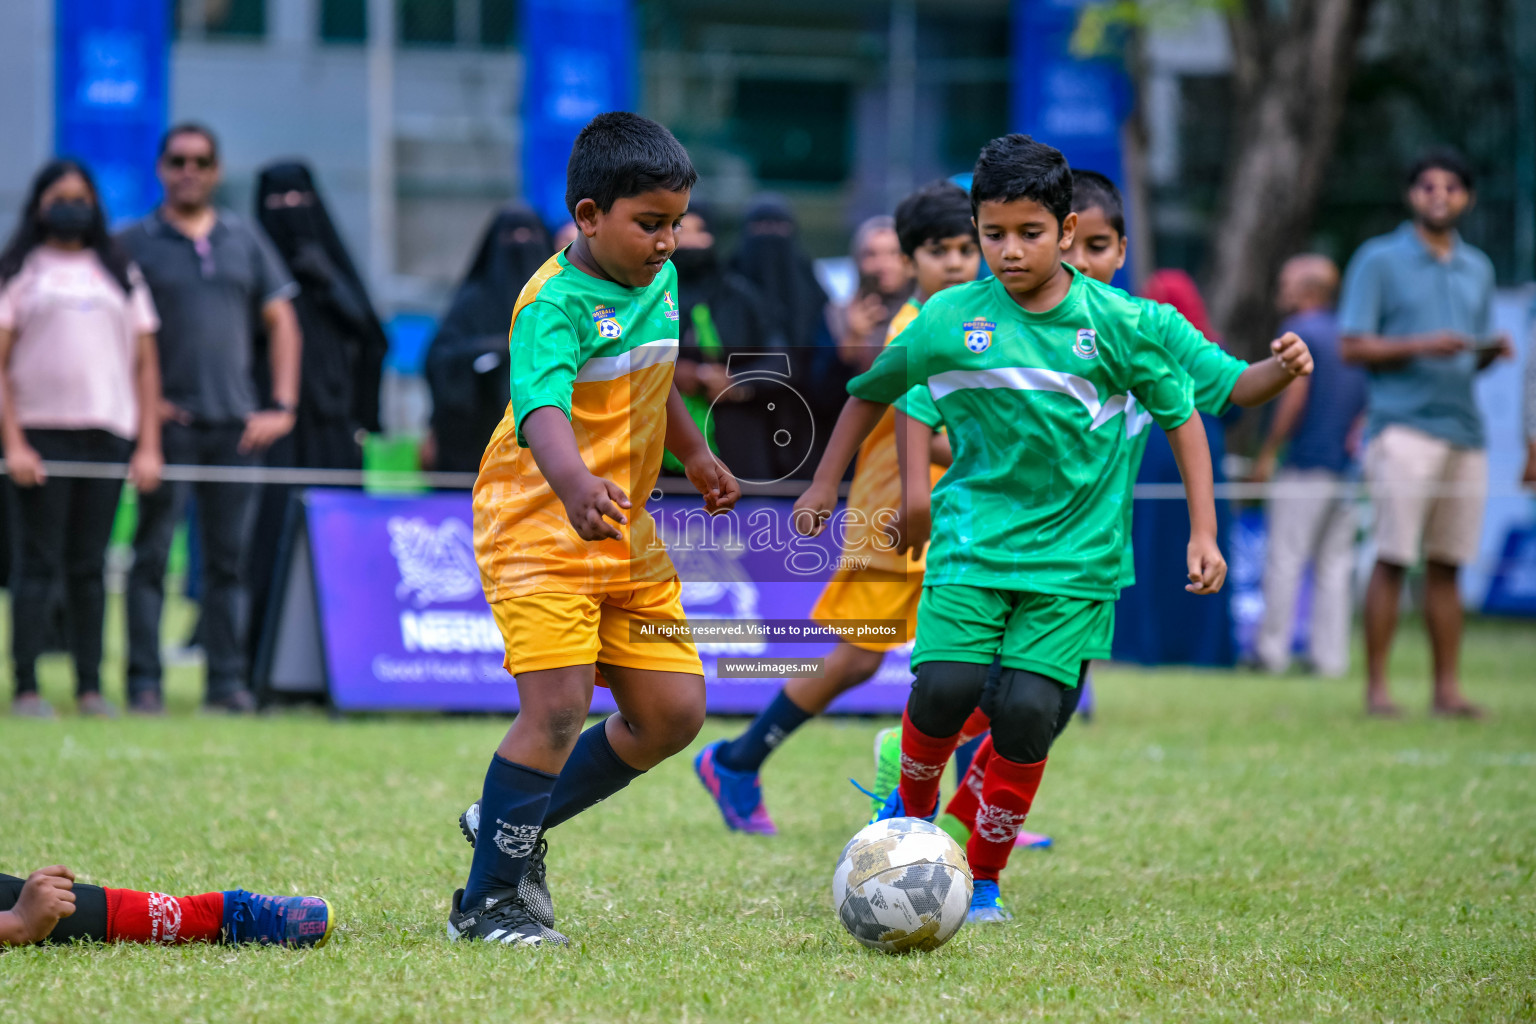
(1087, 345)
(978, 334)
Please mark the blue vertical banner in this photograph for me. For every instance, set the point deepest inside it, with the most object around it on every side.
(579, 60)
(111, 81)
(1076, 105)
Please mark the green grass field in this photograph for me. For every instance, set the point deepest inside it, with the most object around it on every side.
(1228, 848)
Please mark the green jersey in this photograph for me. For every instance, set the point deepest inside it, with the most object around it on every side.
(1035, 406)
(1214, 374)
(918, 403)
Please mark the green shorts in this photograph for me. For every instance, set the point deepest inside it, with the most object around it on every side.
(1042, 633)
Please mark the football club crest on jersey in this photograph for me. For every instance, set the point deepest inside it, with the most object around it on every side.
(671, 306)
(607, 324)
(1087, 345)
(978, 334)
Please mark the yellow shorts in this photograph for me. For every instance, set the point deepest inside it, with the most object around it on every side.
(554, 629)
(871, 594)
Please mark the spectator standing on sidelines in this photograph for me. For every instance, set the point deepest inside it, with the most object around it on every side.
(885, 282)
(340, 370)
(216, 282)
(1417, 313)
(772, 258)
(344, 343)
(467, 360)
(79, 382)
(1317, 416)
(721, 312)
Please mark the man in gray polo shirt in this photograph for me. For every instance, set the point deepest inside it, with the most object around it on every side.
(1416, 312)
(216, 282)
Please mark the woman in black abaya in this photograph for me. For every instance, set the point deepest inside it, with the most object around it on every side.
(467, 362)
(343, 357)
(344, 343)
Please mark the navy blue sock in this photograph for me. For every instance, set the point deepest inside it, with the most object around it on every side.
(593, 772)
(512, 808)
(965, 753)
(747, 752)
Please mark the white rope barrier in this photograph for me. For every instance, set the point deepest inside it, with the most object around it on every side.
(402, 480)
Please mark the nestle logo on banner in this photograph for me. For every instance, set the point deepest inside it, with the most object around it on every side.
(445, 632)
(437, 565)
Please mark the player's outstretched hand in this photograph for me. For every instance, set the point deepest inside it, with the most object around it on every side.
(1207, 568)
(716, 483)
(814, 509)
(592, 503)
(910, 528)
(1293, 354)
(45, 897)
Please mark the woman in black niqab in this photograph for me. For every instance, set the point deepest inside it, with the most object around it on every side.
(467, 362)
(771, 256)
(344, 343)
(340, 369)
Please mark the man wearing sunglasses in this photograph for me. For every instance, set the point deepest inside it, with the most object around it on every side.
(218, 285)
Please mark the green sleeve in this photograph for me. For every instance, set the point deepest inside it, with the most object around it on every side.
(1213, 371)
(1154, 376)
(895, 370)
(544, 353)
(918, 403)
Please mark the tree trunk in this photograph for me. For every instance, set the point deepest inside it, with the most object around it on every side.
(1290, 77)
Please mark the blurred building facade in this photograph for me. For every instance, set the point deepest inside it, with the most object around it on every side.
(841, 107)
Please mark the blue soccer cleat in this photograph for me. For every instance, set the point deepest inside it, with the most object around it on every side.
(276, 920)
(739, 795)
(987, 904)
(894, 808)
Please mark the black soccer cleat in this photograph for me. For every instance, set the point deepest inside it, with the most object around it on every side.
(505, 920)
(533, 887)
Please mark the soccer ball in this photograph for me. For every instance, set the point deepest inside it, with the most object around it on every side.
(902, 884)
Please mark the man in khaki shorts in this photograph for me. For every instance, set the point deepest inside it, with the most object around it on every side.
(1416, 312)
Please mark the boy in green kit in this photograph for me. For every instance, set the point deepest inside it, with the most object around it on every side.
(1219, 379)
(1033, 371)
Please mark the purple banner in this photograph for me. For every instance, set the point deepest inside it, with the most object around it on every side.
(406, 627)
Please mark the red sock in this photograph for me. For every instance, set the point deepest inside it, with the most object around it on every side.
(1006, 794)
(967, 799)
(974, 726)
(134, 916)
(923, 758)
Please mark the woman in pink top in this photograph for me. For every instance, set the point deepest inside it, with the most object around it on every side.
(79, 382)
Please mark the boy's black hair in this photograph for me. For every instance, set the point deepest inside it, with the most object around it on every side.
(1017, 167)
(933, 213)
(1442, 158)
(189, 128)
(619, 155)
(1090, 189)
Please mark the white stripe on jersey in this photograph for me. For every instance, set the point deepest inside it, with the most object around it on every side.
(652, 353)
(1032, 378)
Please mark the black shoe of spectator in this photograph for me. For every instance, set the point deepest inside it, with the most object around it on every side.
(148, 703)
(239, 702)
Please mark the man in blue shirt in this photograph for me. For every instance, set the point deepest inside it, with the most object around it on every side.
(1416, 313)
(1310, 519)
